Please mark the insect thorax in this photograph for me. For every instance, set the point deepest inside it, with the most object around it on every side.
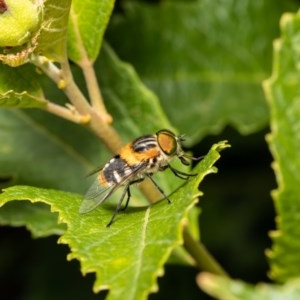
(144, 143)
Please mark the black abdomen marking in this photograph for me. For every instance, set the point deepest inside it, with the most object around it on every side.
(114, 170)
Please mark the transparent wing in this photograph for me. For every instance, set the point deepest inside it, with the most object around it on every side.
(95, 195)
(98, 193)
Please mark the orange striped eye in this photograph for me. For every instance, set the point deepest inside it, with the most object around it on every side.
(167, 141)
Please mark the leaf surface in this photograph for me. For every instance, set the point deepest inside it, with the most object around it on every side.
(88, 21)
(228, 289)
(19, 88)
(53, 35)
(204, 59)
(128, 256)
(36, 218)
(283, 91)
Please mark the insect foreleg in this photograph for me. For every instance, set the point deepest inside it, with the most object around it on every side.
(159, 188)
(180, 174)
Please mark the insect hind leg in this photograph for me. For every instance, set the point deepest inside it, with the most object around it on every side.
(128, 198)
(126, 191)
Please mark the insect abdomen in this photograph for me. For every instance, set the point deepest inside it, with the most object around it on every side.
(113, 172)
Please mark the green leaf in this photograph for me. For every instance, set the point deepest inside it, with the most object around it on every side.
(149, 233)
(227, 289)
(283, 92)
(21, 100)
(36, 218)
(19, 87)
(88, 21)
(53, 35)
(204, 59)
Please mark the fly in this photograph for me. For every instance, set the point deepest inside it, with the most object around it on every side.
(136, 161)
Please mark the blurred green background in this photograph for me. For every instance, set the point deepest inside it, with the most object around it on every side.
(237, 211)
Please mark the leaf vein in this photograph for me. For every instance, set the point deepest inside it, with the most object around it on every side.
(141, 249)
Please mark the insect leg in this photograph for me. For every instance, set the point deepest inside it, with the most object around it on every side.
(180, 174)
(128, 198)
(126, 190)
(159, 188)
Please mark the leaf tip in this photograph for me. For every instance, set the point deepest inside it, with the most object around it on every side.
(221, 146)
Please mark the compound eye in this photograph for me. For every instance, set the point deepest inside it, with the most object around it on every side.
(167, 141)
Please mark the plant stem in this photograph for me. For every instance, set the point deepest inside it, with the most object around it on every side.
(94, 90)
(64, 80)
(49, 68)
(105, 132)
(72, 91)
(66, 113)
(98, 123)
(203, 258)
